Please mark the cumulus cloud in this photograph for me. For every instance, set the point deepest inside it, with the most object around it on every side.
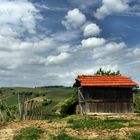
(91, 29)
(74, 19)
(32, 58)
(93, 42)
(57, 59)
(11, 13)
(110, 7)
(110, 50)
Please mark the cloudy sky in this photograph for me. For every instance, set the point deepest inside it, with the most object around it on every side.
(50, 42)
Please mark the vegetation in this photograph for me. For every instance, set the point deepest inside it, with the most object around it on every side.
(49, 101)
(135, 135)
(61, 136)
(114, 138)
(69, 106)
(137, 102)
(17, 103)
(29, 133)
(107, 72)
(97, 123)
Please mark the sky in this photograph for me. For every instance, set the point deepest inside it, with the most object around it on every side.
(50, 42)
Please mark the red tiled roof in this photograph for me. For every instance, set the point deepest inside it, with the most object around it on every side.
(89, 80)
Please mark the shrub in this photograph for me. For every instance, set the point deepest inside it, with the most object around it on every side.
(69, 106)
(29, 133)
(137, 103)
(135, 135)
(46, 102)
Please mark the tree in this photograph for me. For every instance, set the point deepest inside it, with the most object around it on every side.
(101, 71)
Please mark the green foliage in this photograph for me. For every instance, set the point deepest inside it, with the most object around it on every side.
(55, 93)
(61, 136)
(97, 123)
(69, 106)
(7, 112)
(135, 135)
(29, 133)
(46, 102)
(137, 103)
(101, 71)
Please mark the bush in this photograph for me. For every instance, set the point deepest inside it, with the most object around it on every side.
(29, 133)
(46, 102)
(137, 103)
(69, 106)
(135, 135)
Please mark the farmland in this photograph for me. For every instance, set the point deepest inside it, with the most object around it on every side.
(75, 127)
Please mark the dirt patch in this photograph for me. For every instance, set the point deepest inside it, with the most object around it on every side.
(55, 127)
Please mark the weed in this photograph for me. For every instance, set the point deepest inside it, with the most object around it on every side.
(135, 135)
(97, 123)
(61, 136)
(29, 133)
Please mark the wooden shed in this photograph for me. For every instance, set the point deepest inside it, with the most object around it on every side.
(105, 94)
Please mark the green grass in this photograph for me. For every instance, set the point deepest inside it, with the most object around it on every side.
(11, 100)
(29, 133)
(97, 123)
(62, 136)
(57, 94)
(135, 135)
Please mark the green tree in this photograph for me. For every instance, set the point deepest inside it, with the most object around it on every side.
(101, 71)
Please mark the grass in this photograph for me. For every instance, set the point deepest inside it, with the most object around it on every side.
(97, 123)
(29, 133)
(57, 94)
(61, 136)
(135, 135)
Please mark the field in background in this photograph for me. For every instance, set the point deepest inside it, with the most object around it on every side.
(58, 94)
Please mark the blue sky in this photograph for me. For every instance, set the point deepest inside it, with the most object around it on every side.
(50, 42)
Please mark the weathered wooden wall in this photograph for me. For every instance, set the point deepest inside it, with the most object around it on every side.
(105, 100)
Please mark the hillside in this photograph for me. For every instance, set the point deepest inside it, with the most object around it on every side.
(56, 93)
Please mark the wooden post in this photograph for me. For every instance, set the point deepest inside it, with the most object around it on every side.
(81, 101)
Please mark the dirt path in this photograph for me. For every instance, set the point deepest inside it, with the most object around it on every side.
(10, 129)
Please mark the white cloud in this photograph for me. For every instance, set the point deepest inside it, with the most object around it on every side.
(110, 50)
(38, 59)
(110, 7)
(57, 59)
(74, 19)
(91, 29)
(11, 13)
(93, 42)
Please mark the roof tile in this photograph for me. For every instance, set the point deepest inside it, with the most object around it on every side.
(92, 80)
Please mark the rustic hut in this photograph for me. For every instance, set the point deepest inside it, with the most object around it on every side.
(105, 94)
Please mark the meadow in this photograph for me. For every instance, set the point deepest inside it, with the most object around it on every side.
(74, 127)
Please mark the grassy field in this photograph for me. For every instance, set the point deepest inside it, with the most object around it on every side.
(75, 127)
(57, 94)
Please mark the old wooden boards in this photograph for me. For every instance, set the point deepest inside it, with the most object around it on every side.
(105, 100)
